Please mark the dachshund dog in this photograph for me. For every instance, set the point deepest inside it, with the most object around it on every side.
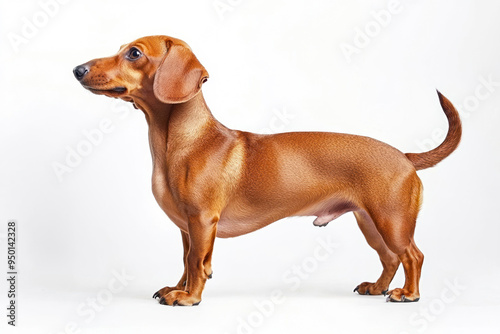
(213, 181)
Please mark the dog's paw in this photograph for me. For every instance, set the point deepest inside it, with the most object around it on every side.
(165, 291)
(367, 288)
(402, 295)
(181, 298)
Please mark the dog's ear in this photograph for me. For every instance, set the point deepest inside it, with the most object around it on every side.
(179, 76)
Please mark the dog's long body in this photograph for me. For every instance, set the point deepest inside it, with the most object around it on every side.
(213, 181)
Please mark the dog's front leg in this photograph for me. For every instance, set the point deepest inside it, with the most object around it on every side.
(202, 231)
(182, 282)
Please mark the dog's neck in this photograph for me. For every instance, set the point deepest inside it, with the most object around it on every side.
(177, 127)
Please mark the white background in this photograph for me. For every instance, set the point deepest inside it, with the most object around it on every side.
(264, 58)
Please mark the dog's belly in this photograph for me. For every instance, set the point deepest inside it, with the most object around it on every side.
(233, 224)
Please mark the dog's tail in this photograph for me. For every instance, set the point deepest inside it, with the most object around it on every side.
(432, 157)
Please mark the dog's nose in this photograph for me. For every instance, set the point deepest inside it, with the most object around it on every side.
(80, 72)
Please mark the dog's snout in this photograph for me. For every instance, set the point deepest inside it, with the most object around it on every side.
(80, 71)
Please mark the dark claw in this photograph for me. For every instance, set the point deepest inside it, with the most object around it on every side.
(356, 289)
(156, 295)
(162, 301)
(184, 283)
(198, 303)
(403, 298)
(385, 292)
(392, 300)
(210, 276)
(367, 292)
(175, 303)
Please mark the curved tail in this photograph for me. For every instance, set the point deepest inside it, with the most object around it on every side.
(432, 157)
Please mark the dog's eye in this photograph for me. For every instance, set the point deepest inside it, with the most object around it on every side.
(134, 54)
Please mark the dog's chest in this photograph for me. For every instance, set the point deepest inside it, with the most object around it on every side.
(165, 199)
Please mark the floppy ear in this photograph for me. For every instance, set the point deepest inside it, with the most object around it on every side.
(179, 76)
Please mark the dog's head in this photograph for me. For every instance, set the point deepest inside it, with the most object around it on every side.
(159, 67)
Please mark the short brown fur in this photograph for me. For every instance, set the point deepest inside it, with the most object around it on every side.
(213, 181)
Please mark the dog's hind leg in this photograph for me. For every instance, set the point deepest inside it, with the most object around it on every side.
(412, 259)
(390, 261)
(395, 221)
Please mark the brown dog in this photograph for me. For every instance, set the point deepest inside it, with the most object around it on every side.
(213, 181)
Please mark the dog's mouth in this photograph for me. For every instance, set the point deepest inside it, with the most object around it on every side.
(114, 92)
